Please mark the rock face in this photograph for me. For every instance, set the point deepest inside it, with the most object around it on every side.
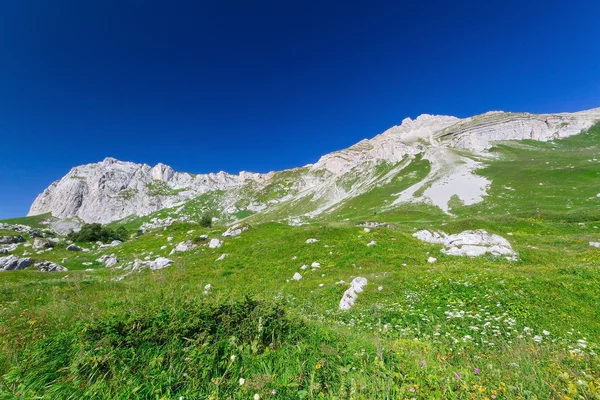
(13, 263)
(469, 243)
(356, 286)
(112, 189)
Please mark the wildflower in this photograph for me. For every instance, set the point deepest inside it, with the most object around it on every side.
(422, 362)
(232, 358)
(217, 382)
(318, 366)
(242, 381)
(256, 396)
(185, 375)
(476, 370)
(187, 359)
(412, 390)
(457, 375)
(273, 392)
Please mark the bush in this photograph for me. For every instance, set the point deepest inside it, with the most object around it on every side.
(206, 221)
(97, 232)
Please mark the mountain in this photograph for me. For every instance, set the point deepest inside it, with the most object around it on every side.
(437, 155)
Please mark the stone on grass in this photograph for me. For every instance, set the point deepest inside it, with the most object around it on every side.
(349, 298)
(73, 247)
(297, 277)
(13, 263)
(431, 260)
(215, 243)
(311, 240)
(222, 257)
(236, 230)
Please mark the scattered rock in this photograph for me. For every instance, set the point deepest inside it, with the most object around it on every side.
(114, 243)
(73, 247)
(367, 230)
(311, 240)
(222, 257)
(595, 244)
(159, 263)
(184, 246)
(39, 243)
(304, 267)
(13, 263)
(11, 239)
(469, 243)
(236, 230)
(431, 260)
(108, 260)
(356, 286)
(315, 265)
(215, 243)
(8, 248)
(297, 277)
(371, 243)
(48, 266)
(207, 289)
(170, 239)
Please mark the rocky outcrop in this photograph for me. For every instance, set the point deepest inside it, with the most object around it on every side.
(11, 239)
(349, 298)
(13, 263)
(469, 243)
(48, 266)
(113, 189)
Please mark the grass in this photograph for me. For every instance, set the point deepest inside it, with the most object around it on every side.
(459, 328)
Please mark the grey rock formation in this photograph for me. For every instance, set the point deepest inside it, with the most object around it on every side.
(11, 239)
(13, 263)
(469, 243)
(112, 189)
(48, 266)
(73, 247)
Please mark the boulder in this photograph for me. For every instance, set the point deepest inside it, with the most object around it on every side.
(40, 243)
(8, 248)
(311, 240)
(215, 243)
(159, 263)
(236, 230)
(349, 298)
(184, 246)
(297, 277)
(48, 266)
(73, 247)
(469, 243)
(11, 239)
(13, 263)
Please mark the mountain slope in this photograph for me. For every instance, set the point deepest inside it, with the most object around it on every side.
(454, 149)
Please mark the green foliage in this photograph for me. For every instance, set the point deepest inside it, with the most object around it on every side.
(97, 232)
(160, 188)
(206, 221)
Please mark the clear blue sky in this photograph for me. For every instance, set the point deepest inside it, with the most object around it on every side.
(260, 86)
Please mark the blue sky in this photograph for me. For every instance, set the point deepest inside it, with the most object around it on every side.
(260, 86)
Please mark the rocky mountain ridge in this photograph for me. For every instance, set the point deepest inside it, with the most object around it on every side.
(454, 148)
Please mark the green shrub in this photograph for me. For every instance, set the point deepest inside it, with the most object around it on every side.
(206, 221)
(97, 232)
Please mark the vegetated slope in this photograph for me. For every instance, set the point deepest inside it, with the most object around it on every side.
(456, 328)
(455, 148)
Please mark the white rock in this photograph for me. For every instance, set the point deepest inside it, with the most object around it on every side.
(297, 277)
(222, 257)
(207, 289)
(159, 263)
(371, 243)
(367, 230)
(215, 243)
(469, 243)
(349, 298)
(315, 265)
(170, 239)
(431, 260)
(595, 244)
(185, 246)
(304, 267)
(311, 240)
(236, 230)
